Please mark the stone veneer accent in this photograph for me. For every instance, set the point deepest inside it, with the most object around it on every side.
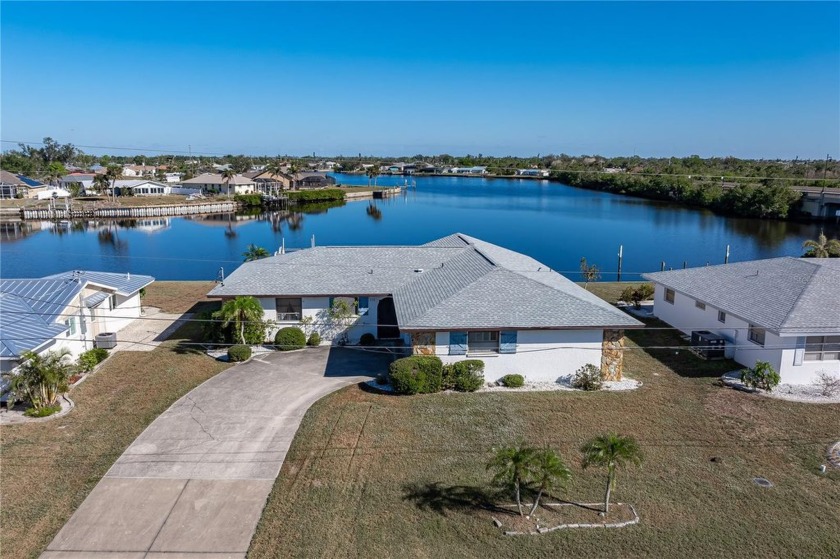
(612, 354)
(423, 343)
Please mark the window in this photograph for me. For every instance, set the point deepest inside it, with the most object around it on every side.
(71, 325)
(669, 295)
(114, 301)
(288, 308)
(756, 335)
(722, 317)
(822, 348)
(483, 342)
(700, 305)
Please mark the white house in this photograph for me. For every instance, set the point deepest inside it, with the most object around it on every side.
(532, 172)
(214, 183)
(457, 297)
(64, 311)
(85, 180)
(785, 311)
(138, 170)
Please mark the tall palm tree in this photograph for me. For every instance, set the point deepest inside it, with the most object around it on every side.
(294, 168)
(55, 171)
(100, 183)
(512, 466)
(113, 172)
(822, 247)
(254, 253)
(240, 311)
(372, 172)
(275, 168)
(227, 176)
(611, 450)
(549, 472)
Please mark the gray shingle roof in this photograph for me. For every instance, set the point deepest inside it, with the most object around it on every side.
(785, 295)
(453, 282)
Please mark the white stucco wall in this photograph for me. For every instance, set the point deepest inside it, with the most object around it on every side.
(780, 352)
(317, 309)
(541, 355)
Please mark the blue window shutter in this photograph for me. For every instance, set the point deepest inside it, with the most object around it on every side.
(364, 305)
(507, 341)
(330, 305)
(457, 343)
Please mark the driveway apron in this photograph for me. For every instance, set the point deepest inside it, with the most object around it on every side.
(195, 482)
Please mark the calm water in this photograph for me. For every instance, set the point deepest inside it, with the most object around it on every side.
(553, 223)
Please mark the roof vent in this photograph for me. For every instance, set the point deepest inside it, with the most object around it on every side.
(418, 270)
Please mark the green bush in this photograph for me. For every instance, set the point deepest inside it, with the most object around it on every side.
(42, 412)
(314, 339)
(638, 294)
(761, 377)
(239, 352)
(418, 374)
(90, 359)
(513, 381)
(464, 376)
(290, 338)
(367, 339)
(249, 199)
(588, 377)
(325, 195)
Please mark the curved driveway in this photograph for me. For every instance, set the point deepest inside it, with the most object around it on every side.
(194, 483)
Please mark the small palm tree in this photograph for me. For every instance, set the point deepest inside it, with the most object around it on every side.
(41, 379)
(822, 247)
(550, 472)
(254, 253)
(227, 176)
(240, 311)
(100, 183)
(611, 450)
(512, 466)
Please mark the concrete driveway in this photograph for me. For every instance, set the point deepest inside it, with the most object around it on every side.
(195, 482)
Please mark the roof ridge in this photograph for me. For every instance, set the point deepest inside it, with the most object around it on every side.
(815, 268)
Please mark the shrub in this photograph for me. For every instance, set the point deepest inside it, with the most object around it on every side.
(463, 376)
(637, 294)
(90, 359)
(827, 384)
(42, 412)
(587, 377)
(314, 339)
(418, 374)
(367, 339)
(325, 195)
(239, 352)
(761, 377)
(290, 338)
(513, 381)
(249, 200)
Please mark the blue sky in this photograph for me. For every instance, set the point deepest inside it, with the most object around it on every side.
(659, 79)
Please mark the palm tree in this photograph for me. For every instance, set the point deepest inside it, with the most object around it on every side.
(550, 472)
(227, 176)
(113, 172)
(100, 183)
(512, 466)
(276, 169)
(372, 172)
(822, 247)
(254, 253)
(55, 171)
(293, 170)
(611, 450)
(41, 379)
(240, 311)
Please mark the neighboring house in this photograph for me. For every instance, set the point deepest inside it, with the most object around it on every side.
(214, 183)
(85, 180)
(312, 180)
(271, 183)
(64, 311)
(141, 187)
(12, 186)
(785, 311)
(477, 170)
(139, 170)
(532, 172)
(457, 297)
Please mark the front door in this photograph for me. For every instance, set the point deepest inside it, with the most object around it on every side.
(386, 318)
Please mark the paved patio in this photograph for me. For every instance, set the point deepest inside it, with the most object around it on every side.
(146, 335)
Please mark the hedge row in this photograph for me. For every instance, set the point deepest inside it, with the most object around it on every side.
(324, 195)
(425, 374)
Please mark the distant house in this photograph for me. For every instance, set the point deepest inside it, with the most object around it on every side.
(476, 170)
(312, 180)
(139, 170)
(532, 172)
(785, 311)
(271, 183)
(84, 180)
(140, 188)
(13, 186)
(64, 311)
(214, 183)
(457, 297)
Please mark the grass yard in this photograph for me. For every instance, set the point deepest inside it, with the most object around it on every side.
(177, 296)
(49, 468)
(370, 475)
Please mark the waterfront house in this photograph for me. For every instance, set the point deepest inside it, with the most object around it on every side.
(141, 188)
(785, 311)
(13, 186)
(457, 297)
(532, 172)
(312, 179)
(64, 311)
(84, 180)
(214, 183)
(138, 170)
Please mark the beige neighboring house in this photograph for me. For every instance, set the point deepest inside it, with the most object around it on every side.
(270, 183)
(213, 183)
(12, 185)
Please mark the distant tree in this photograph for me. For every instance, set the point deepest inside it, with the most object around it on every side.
(160, 175)
(589, 272)
(822, 247)
(113, 172)
(55, 171)
(100, 183)
(611, 451)
(239, 312)
(512, 467)
(227, 176)
(372, 172)
(254, 253)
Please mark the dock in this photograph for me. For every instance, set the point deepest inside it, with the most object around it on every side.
(122, 212)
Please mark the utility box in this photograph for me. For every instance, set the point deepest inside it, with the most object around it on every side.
(106, 340)
(708, 344)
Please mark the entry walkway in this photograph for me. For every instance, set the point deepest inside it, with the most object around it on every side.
(195, 482)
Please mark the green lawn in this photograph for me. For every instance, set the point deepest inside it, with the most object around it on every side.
(381, 476)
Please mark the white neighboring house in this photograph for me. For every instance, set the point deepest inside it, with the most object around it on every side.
(83, 179)
(214, 183)
(64, 311)
(533, 172)
(457, 297)
(138, 170)
(785, 311)
(141, 187)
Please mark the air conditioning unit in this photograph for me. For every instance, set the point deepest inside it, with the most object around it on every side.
(708, 345)
(106, 340)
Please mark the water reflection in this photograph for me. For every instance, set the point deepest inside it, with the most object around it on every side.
(373, 211)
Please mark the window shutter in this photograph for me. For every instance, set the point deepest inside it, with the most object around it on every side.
(507, 341)
(457, 343)
(364, 305)
(799, 352)
(330, 305)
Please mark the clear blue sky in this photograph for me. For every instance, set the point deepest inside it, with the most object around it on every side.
(743, 79)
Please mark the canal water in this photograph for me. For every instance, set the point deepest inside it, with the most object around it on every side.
(554, 223)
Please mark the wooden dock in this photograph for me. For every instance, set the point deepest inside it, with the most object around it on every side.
(122, 212)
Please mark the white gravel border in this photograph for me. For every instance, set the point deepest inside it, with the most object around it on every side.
(804, 393)
(562, 384)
